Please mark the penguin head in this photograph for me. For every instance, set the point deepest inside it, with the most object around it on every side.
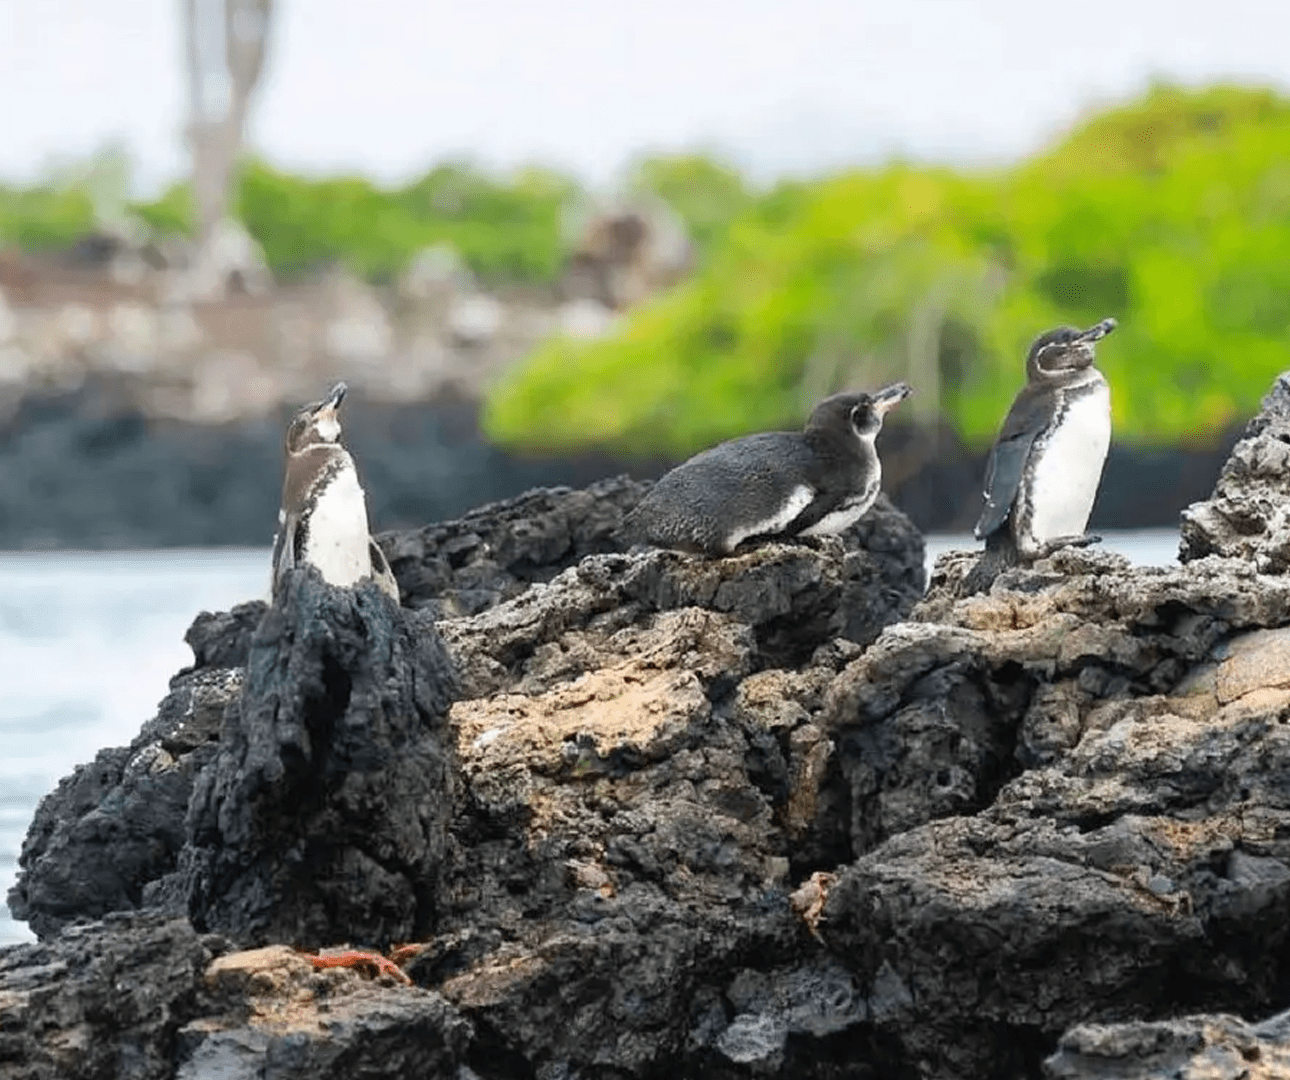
(859, 413)
(316, 424)
(1064, 350)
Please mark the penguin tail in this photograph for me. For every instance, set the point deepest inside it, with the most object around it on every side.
(1000, 554)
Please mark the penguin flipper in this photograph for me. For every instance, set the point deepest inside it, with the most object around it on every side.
(1003, 474)
(284, 547)
(381, 572)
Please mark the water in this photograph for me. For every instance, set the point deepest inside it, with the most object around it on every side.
(88, 643)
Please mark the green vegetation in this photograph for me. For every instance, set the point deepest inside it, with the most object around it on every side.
(1172, 214)
(506, 230)
(707, 194)
(40, 218)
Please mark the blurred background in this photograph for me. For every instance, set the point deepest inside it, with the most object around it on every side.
(546, 240)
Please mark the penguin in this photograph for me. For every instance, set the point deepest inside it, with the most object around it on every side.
(323, 518)
(815, 482)
(1043, 472)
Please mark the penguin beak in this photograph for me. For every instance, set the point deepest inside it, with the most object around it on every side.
(326, 409)
(891, 396)
(1096, 333)
(333, 400)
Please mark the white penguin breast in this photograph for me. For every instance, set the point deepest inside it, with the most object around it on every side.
(336, 540)
(1069, 467)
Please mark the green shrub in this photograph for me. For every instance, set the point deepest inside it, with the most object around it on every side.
(1172, 214)
(504, 231)
(41, 219)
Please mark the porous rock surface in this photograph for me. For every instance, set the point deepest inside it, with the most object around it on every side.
(328, 801)
(1248, 515)
(702, 825)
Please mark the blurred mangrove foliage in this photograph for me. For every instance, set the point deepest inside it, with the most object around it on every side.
(1172, 214)
(509, 229)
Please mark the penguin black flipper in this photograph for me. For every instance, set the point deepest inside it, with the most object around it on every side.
(1002, 481)
(1026, 420)
(285, 545)
(381, 572)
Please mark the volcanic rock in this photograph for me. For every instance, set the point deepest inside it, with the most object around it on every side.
(327, 804)
(1248, 515)
(769, 815)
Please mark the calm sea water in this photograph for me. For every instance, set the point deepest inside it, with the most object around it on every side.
(88, 643)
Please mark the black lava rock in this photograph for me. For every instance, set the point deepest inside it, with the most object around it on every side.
(324, 817)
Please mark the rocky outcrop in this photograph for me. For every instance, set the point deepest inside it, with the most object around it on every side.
(1130, 864)
(753, 816)
(1248, 515)
(1197, 1046)
(144, 997)
(328, 802)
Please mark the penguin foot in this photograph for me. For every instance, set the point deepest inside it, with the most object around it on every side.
(362, 958)
(1082, 540)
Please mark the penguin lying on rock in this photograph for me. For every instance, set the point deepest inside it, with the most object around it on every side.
(1043, 472)
(323, 519)
(815, 482)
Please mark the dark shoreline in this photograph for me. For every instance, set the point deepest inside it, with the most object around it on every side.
(85, 469)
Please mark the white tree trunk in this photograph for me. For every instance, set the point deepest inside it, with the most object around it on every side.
(225, 44)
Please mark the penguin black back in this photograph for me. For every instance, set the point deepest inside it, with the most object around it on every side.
(808, 483)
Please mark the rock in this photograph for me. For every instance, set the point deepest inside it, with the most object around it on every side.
(1066, 798)
(436, 272)
(106, 999)
(116, 825)
(358, 329)
(223, 639)
(230, 261)
(268, 1014)
(1248, 516)
(625, 252)
(586, 319)
(475, 318)
(8, 321)
(324, 815)
(1195, 1046)
(493, 553)
(140, 996)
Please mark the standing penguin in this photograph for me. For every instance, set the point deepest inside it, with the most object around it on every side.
(323, 519)
(1045, 467)
(815, 482)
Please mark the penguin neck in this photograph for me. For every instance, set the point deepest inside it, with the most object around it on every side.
(310, 467)
(1062, 380)
(831, 443)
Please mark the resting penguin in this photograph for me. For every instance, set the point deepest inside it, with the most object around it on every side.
(323, 519)
(815, 482)
(1043, 472)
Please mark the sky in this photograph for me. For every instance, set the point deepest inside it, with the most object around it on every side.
(389, 87)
